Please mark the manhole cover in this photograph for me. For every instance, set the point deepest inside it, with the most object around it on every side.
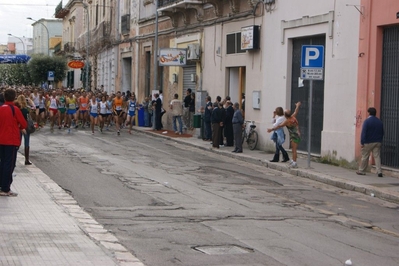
(223, 250)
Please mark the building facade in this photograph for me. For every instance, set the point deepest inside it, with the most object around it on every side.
(47, 33)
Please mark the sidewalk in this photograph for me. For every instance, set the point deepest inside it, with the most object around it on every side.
(386, 188)
(45, 226)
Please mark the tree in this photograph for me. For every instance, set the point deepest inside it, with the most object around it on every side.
(34, 72)
(40, 65)
(14, 74)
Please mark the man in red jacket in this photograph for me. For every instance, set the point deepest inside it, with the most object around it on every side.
(11, 123)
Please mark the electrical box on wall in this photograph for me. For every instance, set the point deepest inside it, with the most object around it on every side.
(193, 51)
(256, 99)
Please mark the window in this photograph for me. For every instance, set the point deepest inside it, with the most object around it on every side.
(125, 24)
(233, 43)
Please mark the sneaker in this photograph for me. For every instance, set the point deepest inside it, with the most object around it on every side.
(119, 133)
(221, 146)
(8, 194)
(380, 175)
(176, 132)
(293, 165)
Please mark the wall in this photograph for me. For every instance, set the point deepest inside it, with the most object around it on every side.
(377, 14)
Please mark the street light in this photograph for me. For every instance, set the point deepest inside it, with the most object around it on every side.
(23, 43)
(48, 34)
(85, 6)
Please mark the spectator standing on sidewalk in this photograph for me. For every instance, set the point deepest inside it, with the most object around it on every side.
(293, 129)
(207, 119)
(186, 111)
(228, 125)
(216, 120)
(278, 136)
(21, 101)
(238, 121)
(177, 111)
(12, 122)
(370, 141)
(191, 109)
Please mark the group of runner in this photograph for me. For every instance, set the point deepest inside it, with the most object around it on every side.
(74, 109)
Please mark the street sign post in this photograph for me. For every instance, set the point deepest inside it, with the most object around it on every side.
(312, 68)
(50, 76)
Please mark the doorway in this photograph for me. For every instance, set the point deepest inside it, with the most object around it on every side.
(301, 94)
(390, 97)
(236, 89)
(126, 74)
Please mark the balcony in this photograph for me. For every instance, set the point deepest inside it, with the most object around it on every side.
(169, 5)
(69, 47)
(57, 47)
(60, 12)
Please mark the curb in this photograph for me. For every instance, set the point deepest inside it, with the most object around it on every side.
(90, 227)
(304, 173)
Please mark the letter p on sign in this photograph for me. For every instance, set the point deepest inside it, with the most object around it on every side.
(312, 56)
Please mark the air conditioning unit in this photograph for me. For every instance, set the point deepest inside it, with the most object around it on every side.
(193, 51)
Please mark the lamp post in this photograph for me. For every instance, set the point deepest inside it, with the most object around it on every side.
(85, 6)
(23, 43)
(156, 47)
(48, 34)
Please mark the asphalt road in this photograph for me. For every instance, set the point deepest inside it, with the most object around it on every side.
(171, 204)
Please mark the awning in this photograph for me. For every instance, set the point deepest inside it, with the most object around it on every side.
(14, 59)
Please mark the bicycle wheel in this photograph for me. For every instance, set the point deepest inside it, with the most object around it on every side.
(252, 140)
(243, 135)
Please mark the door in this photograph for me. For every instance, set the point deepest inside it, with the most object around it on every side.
(189, 78)
(236, 89)
(301, 94)
(390, 97)
(127, 74)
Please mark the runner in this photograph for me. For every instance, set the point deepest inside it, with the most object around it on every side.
(72, 117)
(53, 109)
(117, 106)
(131, 104)
(61, 109)
(35, 98)
(41, 117)
(110, 100)
(83, 101)
(103, 113)
(94, 108)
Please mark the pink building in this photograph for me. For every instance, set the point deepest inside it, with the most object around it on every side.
(378, 73)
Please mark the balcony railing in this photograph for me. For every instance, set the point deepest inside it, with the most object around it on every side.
(162, 3)
(60, 12)
(69, 47)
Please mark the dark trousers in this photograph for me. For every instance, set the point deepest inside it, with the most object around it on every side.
(237, 131)
(215, 135)
(221, 138)
(208, 130)
(8, 157)
(229, 134)
(283, 152)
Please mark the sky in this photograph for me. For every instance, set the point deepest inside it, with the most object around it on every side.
(13, 14)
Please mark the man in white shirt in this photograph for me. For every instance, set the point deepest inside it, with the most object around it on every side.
(177, 111)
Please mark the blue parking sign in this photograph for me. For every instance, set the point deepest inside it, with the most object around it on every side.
(50, 76)
(312, 56)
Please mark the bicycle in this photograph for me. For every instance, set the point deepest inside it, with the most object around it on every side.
(250, 135)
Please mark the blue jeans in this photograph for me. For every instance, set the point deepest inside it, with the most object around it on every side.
(180, 124)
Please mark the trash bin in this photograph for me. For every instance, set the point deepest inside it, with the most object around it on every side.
(197, 121)
(141, 116)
